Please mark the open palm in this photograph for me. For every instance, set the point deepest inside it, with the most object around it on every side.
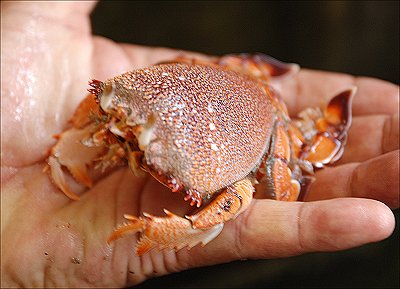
(47, 60)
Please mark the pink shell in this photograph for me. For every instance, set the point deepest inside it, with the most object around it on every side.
(212, 125)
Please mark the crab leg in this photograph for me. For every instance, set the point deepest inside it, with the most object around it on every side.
(258, 65)
(230, 203)
(275, 178)
(71, 153)
(174, 232)
(314, 140)
(323, 134)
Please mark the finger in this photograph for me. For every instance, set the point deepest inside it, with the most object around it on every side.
(58, 11)
(143, 56)
(371, 136)
(375, 96)
(126, 57)
(278, 229)
(376, 179)
(312, 88)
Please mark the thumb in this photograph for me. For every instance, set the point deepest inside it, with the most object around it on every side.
(63, 11)
(45, 55)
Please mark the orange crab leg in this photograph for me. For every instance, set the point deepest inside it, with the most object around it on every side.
(174, 232)
(323, 149)
(258, 65)
(72, 154)
(274, 176)
(86, 108)
(78, 148)
(324, 142)
(230, 203)
(135, 225)
(170, 232)
(337, 114)
(57, 176)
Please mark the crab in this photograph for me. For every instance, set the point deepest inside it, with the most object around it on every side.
(214, 130)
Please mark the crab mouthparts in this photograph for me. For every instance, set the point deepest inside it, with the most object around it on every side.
(105, 95)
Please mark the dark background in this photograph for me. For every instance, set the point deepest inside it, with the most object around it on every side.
(360, 37)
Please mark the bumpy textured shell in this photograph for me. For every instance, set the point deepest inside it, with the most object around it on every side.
(212, 125)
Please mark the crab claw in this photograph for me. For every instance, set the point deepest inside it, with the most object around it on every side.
(76, 157)
(78, 148)
(58, 177)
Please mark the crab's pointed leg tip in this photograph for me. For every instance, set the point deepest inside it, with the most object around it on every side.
(353, 92)
(285, 70)
(129, 217)
(279, 68)
(81, 175)
(136, 225)
(168, 213)
(110, 240)
(147, 215)
(119, 233)
(294, 68)
(74, 197)
(114, 236)
(346, 95)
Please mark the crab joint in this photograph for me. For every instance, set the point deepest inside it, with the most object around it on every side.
(228, 205)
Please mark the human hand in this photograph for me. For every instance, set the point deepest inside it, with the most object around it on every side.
(46, 63)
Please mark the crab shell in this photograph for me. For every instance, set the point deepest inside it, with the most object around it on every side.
(204, 127)
(201, 127)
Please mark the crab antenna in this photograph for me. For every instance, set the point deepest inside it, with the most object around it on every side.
(96, 87)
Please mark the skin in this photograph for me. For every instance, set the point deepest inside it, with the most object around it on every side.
(46, 62)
